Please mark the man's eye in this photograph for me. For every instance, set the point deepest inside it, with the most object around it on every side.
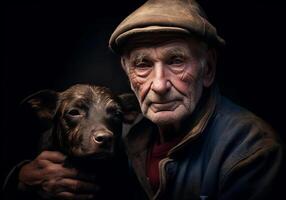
(176, 61)
(142, 64)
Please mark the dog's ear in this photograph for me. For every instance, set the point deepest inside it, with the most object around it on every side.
(42, 103)
(130, 107)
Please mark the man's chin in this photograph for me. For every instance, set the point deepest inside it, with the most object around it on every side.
(163, 117)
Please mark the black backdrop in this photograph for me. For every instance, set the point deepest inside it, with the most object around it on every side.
(56, 44)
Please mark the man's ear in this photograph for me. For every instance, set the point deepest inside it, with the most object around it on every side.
(42, 103)
(210, 67)
(130, 107)
(123, 64)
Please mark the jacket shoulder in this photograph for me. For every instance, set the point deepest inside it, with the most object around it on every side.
(236, 120)
(238, 133)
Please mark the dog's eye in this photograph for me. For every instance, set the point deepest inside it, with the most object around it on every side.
(74, 112)
(118, 114)
(114, 112)
(73, 116)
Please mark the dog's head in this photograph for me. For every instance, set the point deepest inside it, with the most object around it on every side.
(86, 120)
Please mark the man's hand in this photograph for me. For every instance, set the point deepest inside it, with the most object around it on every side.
(48, 174)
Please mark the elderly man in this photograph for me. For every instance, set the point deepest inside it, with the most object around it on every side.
(192, 143)
(195, 144)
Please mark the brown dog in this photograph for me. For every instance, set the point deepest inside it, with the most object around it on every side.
(85, 124)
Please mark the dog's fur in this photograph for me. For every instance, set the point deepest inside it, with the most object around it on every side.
(85, 124)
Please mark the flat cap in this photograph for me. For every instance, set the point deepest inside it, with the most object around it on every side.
(165, 16)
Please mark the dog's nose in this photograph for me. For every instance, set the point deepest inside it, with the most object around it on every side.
(103, 138)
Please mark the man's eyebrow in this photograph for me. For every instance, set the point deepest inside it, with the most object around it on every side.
(176, 52)
(138, 56)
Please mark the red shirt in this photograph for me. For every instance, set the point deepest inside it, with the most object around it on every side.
(156, 153)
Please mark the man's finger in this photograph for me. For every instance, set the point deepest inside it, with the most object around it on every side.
(51, 169)
(53, 156)
(69, 185)
(78, 186)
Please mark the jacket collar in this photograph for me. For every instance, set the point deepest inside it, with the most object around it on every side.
(199, 120)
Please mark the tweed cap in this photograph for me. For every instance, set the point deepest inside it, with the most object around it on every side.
(165, 16)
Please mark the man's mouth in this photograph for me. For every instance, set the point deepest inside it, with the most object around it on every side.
(164, 106)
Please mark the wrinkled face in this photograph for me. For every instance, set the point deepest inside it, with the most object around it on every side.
(168, 78)
(89, 120)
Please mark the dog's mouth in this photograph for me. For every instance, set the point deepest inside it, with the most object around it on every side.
(87, 152)
(99, 156)
(96, 156)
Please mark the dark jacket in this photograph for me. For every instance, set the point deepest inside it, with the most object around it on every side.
(228, 154)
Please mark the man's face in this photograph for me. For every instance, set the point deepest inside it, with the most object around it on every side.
(168, 78)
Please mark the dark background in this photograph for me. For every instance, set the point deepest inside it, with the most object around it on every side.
(56, 44)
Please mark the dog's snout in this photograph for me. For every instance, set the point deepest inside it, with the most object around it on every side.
(103, 138)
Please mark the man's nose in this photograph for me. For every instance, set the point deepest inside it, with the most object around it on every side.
(161, 83)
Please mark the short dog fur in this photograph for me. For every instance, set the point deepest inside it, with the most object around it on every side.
(86, 124)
